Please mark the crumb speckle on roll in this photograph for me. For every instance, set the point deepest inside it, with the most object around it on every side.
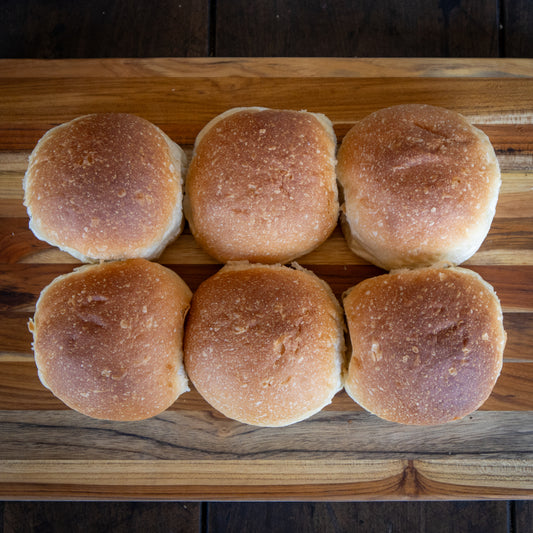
(427, 344)
(106, 186)
(108, 339)
(264, 344)
(420, 187)
(262, 186)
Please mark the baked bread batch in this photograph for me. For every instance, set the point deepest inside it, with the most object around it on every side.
(264, 342)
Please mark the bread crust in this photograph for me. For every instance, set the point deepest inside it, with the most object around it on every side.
(262, 186)
(427, 344)
(106, 186)
(108, 339)
(420, 187)
(264, 344)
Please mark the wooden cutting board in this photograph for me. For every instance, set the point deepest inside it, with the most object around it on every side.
(191, 451)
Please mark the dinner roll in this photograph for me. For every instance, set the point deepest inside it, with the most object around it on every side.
(264, 344)
(262, 186)
(420, 187)
(427, 344)
(108, 339)
(105, 186)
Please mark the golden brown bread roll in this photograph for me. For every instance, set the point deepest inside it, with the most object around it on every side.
(420, 187)
(108, 339)
(262, 186)
(427, 344)
(106, 186)
(264, 344)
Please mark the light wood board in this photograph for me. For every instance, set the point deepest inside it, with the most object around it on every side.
(191, 451)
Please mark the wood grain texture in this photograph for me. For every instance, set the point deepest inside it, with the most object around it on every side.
(164, 101)
(84, 517)
(31, 28)
(365, 28)
(191, 451)
(314, 479)
(370, 517)
(20, 388)
(267, 67)
(518, 24)
(511, 283)
(508, 243)
(523, 516)
(205, 443)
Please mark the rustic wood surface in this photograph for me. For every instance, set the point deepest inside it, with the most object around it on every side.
(76, 517)
(346, 28)
(191, 451)
(469, 517)
(517, 16)
(57, 29)
(122, 517)
(454, 28)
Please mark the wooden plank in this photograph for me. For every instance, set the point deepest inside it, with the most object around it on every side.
(393, 479)
(523, 517)
(515, 195)
(509, 242)
(514, 233)
(20, 389)
(119, 517)
(446, 470)
(370, 517)
(519, 328)
(201, 438)
(437, 517)
(30, 28)
(375, 28)
(267, 67)
(24, 120)
(518, 28)
(22, 283)
(509, 140)
(15, 337)
(390, 490)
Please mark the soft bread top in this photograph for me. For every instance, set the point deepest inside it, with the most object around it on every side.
(106, 186)
(264, 344)
(427, 344)
(420, 187)
(262, 186)
(108, 339)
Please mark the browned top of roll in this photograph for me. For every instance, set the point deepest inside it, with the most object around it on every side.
(420, 186)
(108, 339)
(105, 186)
(264, 344)
(261, 185)
(427, 344)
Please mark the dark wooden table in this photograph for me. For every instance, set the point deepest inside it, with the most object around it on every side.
(239, 28)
